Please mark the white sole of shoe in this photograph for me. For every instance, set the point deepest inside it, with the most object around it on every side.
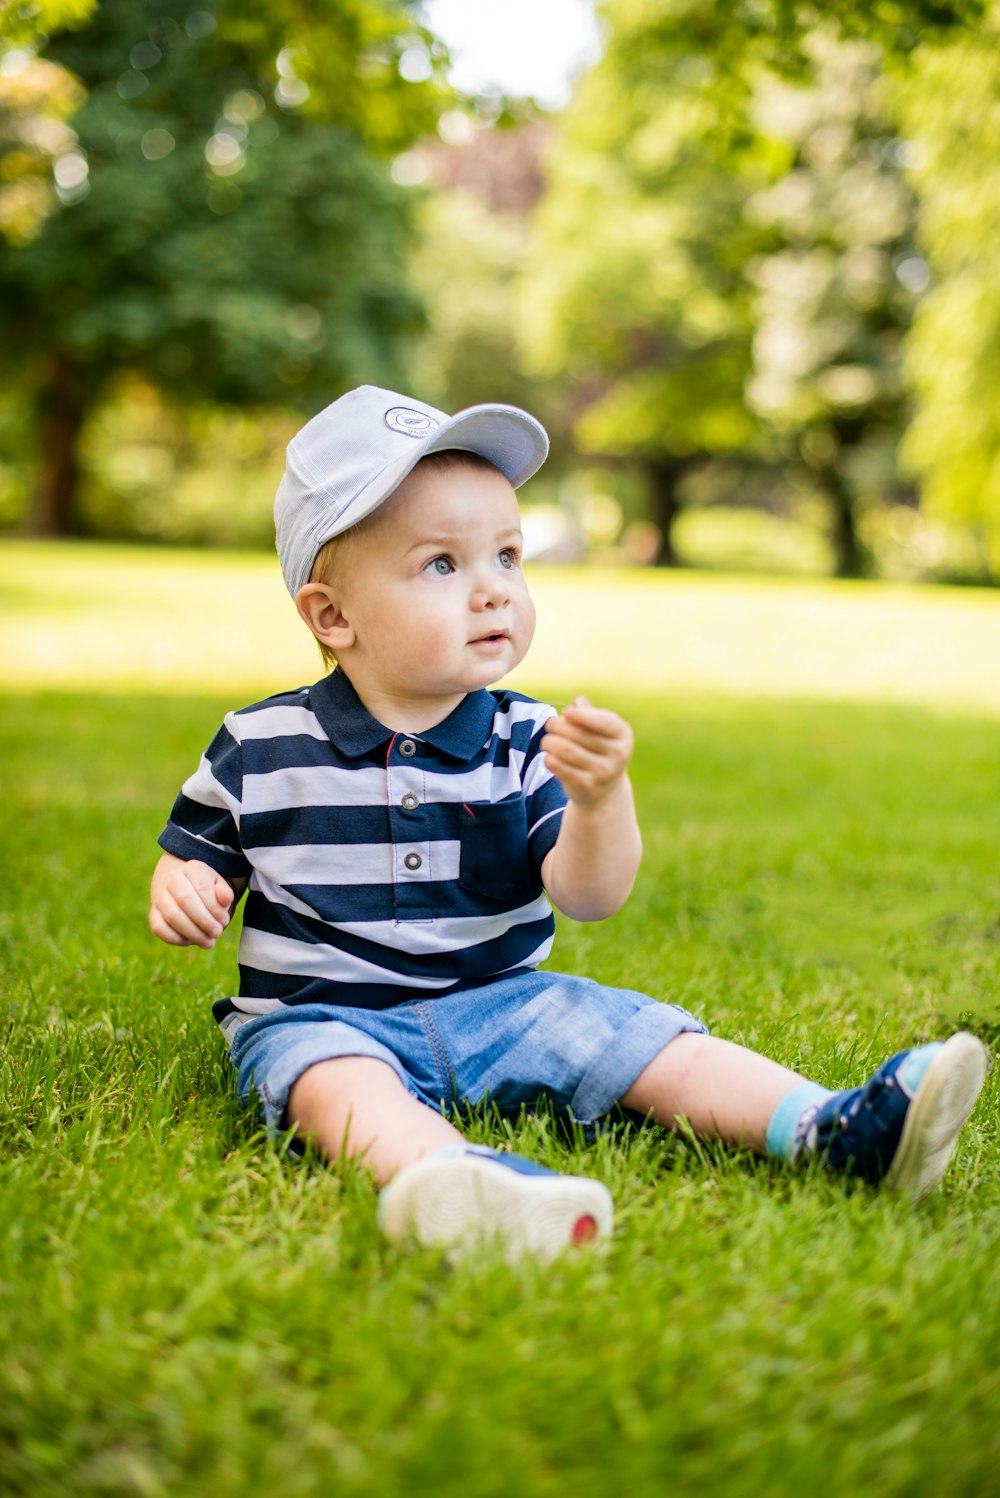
(464, 1201)
(940, 1107)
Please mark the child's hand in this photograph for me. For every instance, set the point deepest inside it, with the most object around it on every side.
(190, 904)
(588, 749)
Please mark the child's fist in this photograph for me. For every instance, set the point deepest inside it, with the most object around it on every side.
(190, 904)
(588, 749)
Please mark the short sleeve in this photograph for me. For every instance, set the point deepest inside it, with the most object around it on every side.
(205, 819)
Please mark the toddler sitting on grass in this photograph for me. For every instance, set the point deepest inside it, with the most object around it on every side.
(401, 830)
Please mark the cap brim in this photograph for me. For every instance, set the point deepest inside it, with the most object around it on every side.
(509, 438)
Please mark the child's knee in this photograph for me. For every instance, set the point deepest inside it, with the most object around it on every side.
(338, 1080)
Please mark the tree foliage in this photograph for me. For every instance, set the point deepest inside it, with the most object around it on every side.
(716, 270)
(27, 23)
(778, 33)
(226, 223)
(836, 293)
(952, 107)
(474, 226)
(636, 294)
(746, 206)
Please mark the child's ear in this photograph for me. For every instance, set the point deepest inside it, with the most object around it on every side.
(319, 608)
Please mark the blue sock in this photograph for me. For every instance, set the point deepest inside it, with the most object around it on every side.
(784, 1134)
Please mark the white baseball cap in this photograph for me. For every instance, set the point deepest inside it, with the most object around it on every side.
(351, 457)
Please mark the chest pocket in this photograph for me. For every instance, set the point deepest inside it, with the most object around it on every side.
(494, 852)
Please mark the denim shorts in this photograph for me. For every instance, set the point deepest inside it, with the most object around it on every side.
(514, 1042)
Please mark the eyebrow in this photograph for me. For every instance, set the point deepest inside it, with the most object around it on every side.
(449, 540)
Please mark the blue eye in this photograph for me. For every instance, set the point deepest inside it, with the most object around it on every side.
(507, 558)
(439, 566)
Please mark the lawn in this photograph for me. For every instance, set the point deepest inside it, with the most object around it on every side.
(185, 1311)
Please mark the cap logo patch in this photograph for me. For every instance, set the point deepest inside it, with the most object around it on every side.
(410, 423)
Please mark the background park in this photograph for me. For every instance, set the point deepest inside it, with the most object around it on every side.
(743, 263)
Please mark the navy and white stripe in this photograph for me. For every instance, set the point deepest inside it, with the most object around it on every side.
(382, 866)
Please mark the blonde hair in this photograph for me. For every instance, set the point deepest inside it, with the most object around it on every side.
(329, 562)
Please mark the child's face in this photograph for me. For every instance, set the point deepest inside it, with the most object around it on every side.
(434, 594)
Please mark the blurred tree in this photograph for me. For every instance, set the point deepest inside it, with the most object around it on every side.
(36, 100)
(778, 33)
(26, 23)
(223, 219)
(635, 296)
(474, 219)
(716, 265)
(835, 298)
(951, 109)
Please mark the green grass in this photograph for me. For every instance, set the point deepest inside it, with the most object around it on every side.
(184, 1311)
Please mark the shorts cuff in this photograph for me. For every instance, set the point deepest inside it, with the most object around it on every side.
(273, 1089)
(647, 1033)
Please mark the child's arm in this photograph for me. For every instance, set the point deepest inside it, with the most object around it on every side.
(190, 904)
(590, 872)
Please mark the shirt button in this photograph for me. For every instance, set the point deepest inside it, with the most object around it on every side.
(410, 801)
(408, 747)
(413, 860)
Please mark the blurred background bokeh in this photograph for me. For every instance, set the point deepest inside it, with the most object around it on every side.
(742, 261)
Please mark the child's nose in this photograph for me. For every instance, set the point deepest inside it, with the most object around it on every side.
(492, 590)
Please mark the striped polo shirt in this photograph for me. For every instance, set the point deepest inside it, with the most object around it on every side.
(382, 866)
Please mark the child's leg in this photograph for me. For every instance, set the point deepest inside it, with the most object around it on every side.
(436, 1187)
(898, 1129)
(357, 1106)
(724, 1091)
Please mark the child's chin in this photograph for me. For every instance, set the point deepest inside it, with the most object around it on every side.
(487, 678)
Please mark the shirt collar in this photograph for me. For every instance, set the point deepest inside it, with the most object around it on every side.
(350, 726)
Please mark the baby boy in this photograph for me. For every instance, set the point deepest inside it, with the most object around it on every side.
(403, 832)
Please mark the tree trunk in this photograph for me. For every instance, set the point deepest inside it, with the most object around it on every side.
(64, 405)
(664, 476)
(849, 561)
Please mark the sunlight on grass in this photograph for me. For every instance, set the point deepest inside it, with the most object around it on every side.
(186, 1312)
(121, 617)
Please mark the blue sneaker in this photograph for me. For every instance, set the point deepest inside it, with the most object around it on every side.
(900, 1128)
(467, 1195)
